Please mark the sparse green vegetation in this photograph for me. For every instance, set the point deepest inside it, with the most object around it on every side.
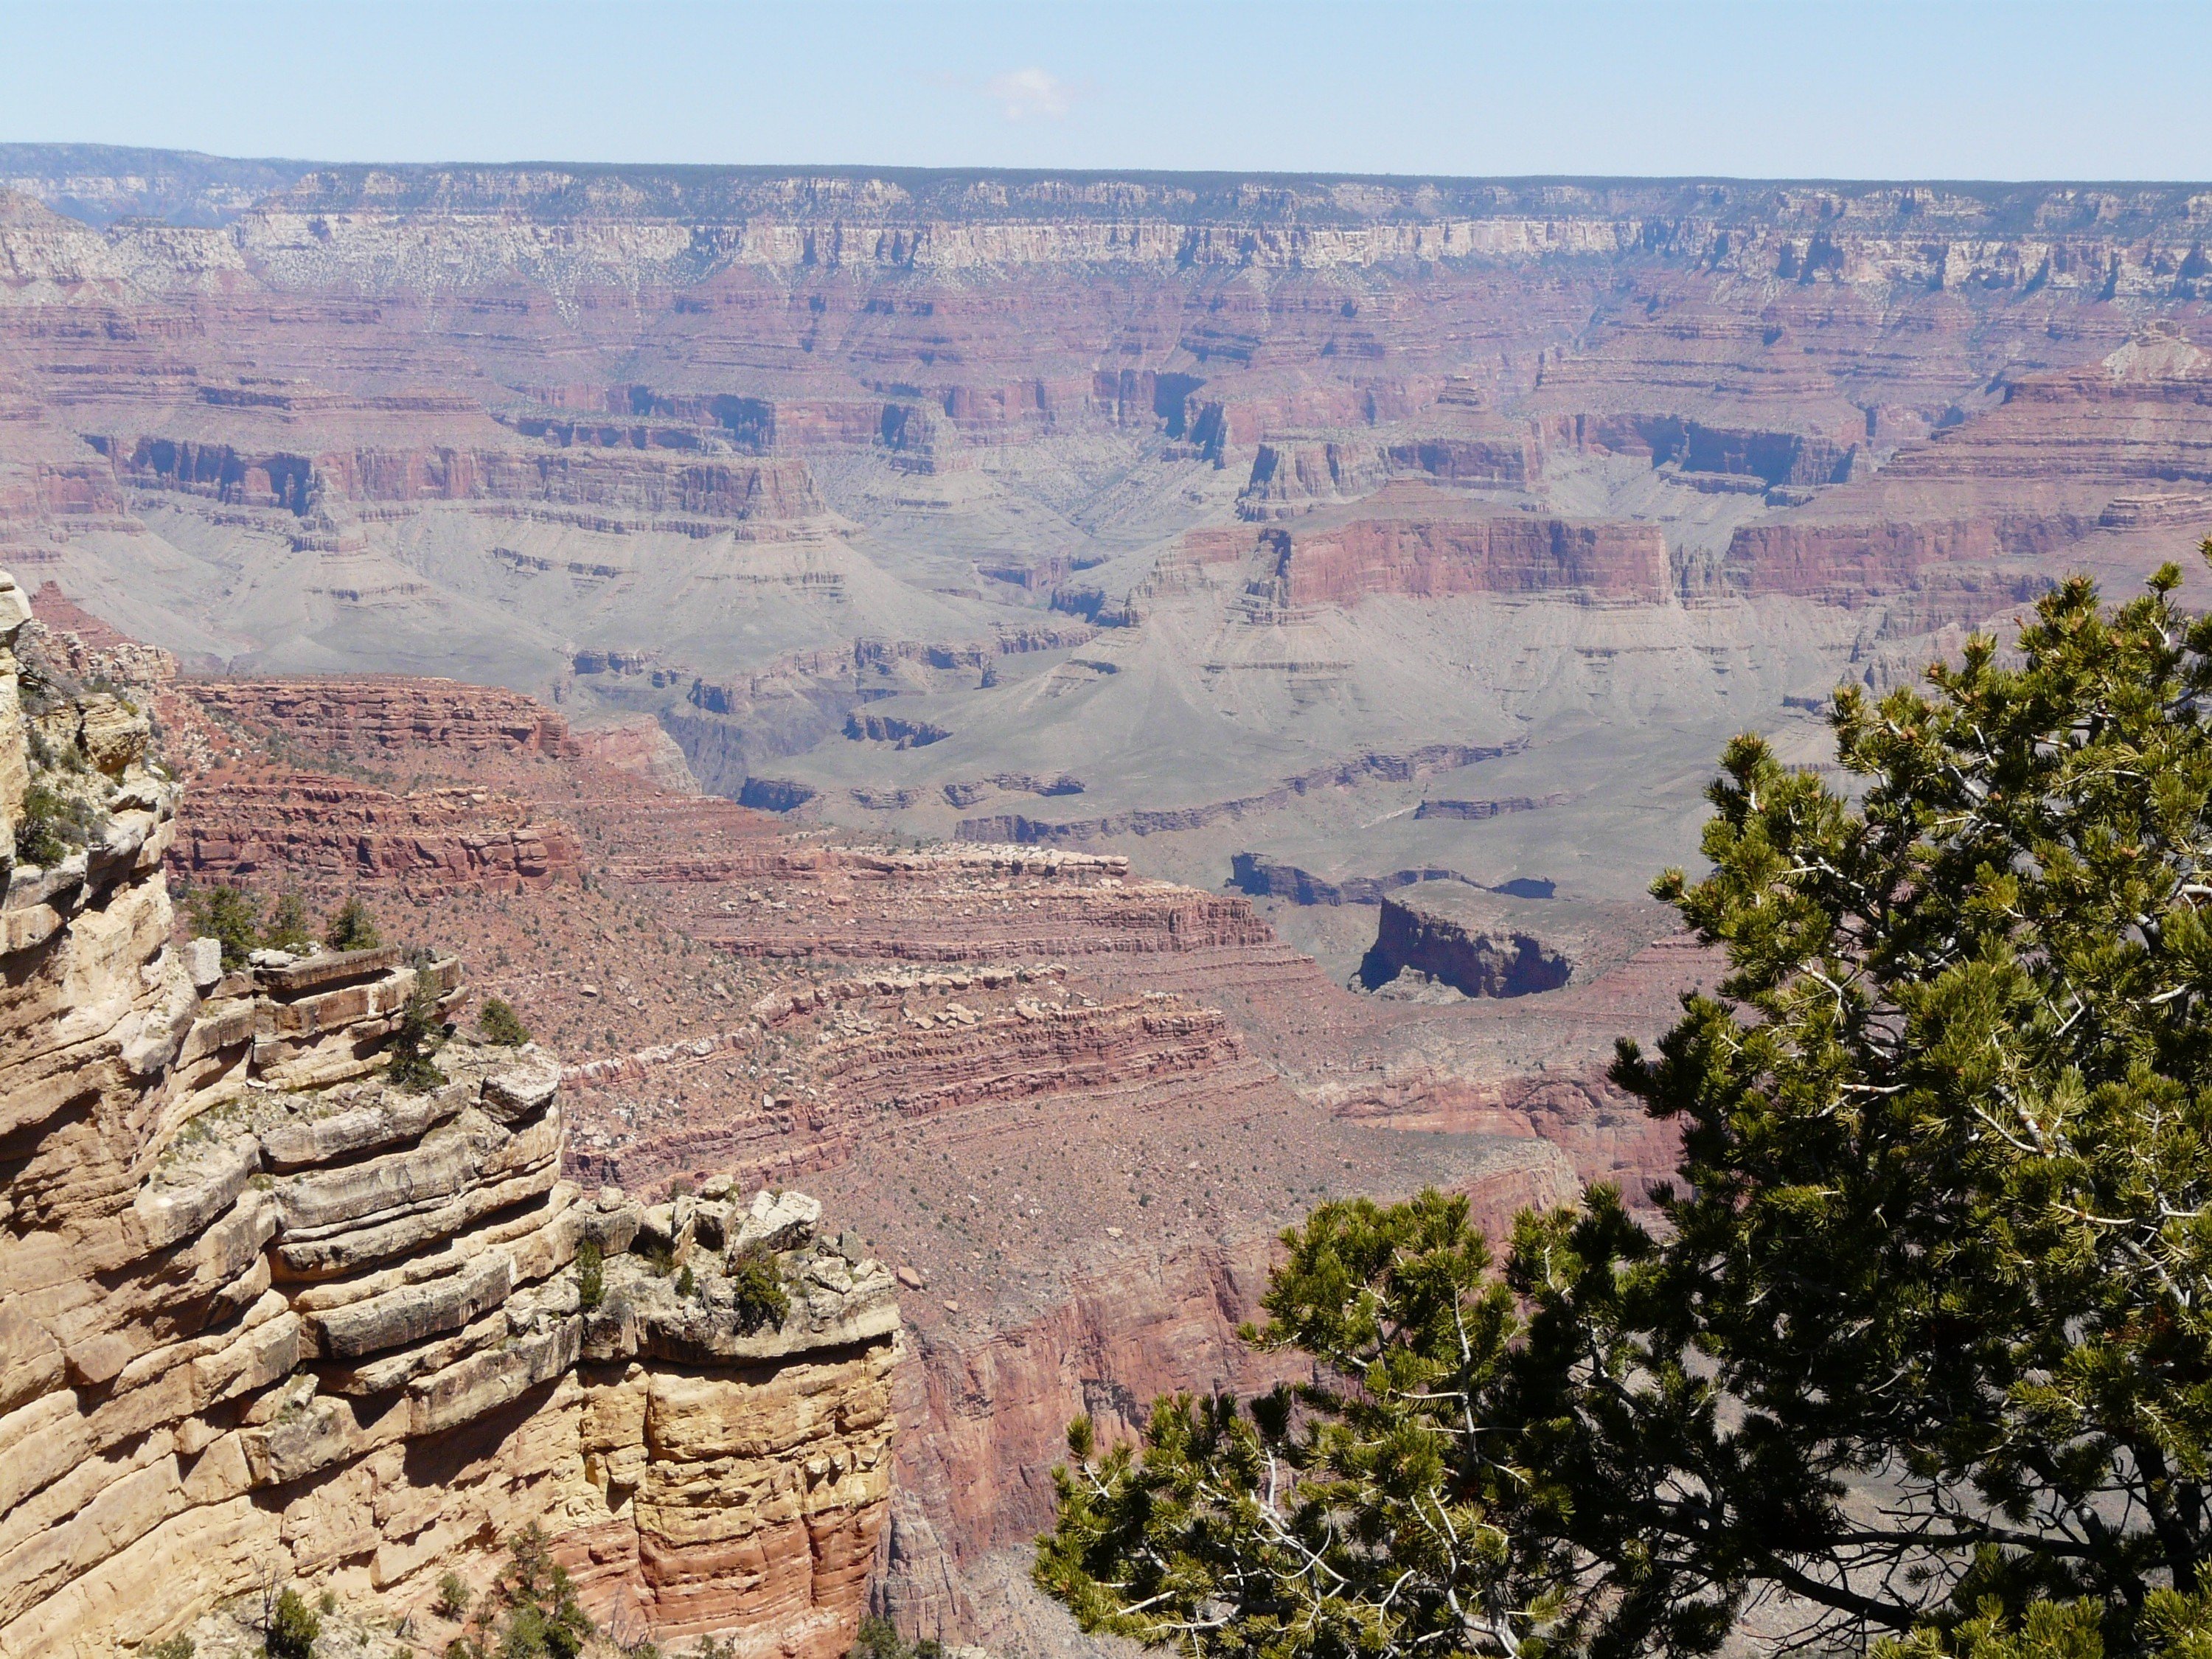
(590, 1275)
(880, 1639)
(757, 1277)
(286, 927)
(293, 1628)
(500, 1024)
(231, 918)
(453, 1596)
(53, 825)
(421, 1029)
(544, 1617)
(350, 928)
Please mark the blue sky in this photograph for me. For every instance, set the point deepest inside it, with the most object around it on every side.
(1941, 89)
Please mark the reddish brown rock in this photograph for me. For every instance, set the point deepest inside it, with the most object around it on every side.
(1439, 557)
(332, 832)
(387, 717)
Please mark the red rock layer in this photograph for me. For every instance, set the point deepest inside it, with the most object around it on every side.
(1438, 558)
(1846, 563)
(366, 719)
(333, 831)
(575, 477)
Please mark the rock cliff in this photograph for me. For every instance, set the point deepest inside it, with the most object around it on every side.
(1073, 1105)
(269, 1312)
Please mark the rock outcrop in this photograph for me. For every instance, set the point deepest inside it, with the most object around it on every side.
(383, 717)
(269, 1311)
(1439, 557)
(336, 830)
(1481, 944)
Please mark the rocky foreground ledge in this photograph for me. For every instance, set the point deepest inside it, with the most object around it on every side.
(266, 1317)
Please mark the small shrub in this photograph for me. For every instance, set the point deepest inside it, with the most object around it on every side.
(286, 927)
(500, 1024)
(758, 1278)
(880, 1639)
(422, 1028)
(546, 1620)
(293, 1628)
(686, 1285)
(590, 1275)
(453, 1597)
(52, 825)
(351, 927)
(328, 1601)
(229, 917)
(179, 1646)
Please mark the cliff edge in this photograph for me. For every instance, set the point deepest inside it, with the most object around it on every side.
(270, 1313)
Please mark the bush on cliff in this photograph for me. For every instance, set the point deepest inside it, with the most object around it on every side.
(286, 927)
(421, 1029)
(500, 1024)
(229, 917)
(1924, 1349)
(52, 825)
(880, 1639)
(351, 927)
(543, 1619)
(292, 1627)
(757, 1277)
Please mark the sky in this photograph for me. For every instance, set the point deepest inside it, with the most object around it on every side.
(2096, 89)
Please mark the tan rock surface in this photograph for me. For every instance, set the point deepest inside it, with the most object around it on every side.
(263, 1316)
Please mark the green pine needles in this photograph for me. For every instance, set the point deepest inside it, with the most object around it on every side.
(1923, 1348)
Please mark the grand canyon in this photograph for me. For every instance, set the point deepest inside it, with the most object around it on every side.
(1043, 724)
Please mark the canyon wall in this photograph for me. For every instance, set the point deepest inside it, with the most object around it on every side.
(271, 1315)
(1074, 1105)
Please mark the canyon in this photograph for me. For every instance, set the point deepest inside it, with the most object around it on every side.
(1072, 718)
(1072, 1105)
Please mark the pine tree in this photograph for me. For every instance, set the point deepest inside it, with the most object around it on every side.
(1925, 1342)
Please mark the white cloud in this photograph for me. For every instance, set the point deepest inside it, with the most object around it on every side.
(1025, 95)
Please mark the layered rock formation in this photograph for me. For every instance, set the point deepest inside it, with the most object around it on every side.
(1431, 559)
(1072, 1104)
(1607, 466)
(269, 1314)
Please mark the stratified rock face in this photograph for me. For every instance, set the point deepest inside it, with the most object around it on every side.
(1438, 558)
(341, 832)
(378, 717)
(265, 1314)
(1075, 1106)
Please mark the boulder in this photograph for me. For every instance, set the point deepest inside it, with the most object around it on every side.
(203, 962)
(114, 735)
(524, 1088)
(778, 1221)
